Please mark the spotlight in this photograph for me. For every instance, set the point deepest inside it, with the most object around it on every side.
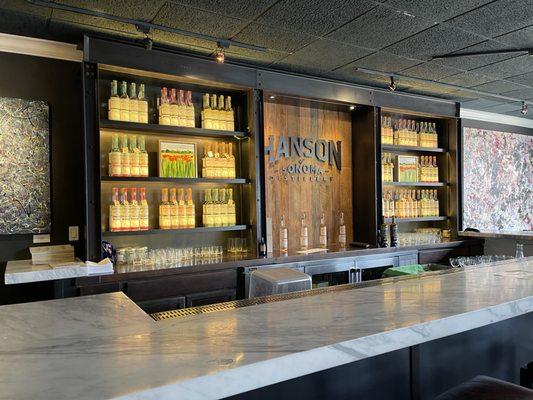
(271, 97)
(219, 55)
(352, 108)
(392, 84)
(147, 43)
(524, 108)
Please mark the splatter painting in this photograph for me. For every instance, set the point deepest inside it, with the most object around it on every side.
(497, 180)
(24, 167)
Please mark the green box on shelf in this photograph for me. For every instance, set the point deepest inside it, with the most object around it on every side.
(177, 159)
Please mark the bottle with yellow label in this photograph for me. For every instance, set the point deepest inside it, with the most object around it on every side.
(134, 157)
(134, 103)
(206, 112)
(182, 111)
(174, 108)
(214, 112)
(115, 217)
(125, 157)
(164, 210)
(189, 209)
(143, 157)
(142, 104)
(230, 118)
(164, 107)
(113, 103)
(144, 220)
(124, 102)
(232, 216)
(124, 210)
(224, 217)
(134, 210)
(174, 216)
(217, 220)
(189, 111)
(206, 208)
(115, 156)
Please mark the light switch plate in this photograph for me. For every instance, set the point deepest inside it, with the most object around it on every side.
(73, 233)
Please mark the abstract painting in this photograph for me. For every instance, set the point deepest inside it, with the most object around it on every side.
(24, 167)
(497, 180)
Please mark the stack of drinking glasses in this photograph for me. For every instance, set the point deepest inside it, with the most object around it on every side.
(476, 260)
(237, 246)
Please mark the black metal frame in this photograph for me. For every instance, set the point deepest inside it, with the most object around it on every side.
(127, 55)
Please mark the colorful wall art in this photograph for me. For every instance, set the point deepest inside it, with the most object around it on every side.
(24, 167)
(497, 180)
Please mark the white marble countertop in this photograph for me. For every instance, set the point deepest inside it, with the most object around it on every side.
(517, 235)
(23, 271)
(105, 347)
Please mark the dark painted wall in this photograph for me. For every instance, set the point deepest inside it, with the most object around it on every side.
(59, 83)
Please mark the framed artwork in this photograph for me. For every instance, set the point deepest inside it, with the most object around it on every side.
(177, 159)
(25, 205)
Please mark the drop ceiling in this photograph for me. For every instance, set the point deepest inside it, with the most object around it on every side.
(331, 39)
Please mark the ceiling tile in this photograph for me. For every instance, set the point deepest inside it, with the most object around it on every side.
(497, 18)
(59, 16)
(383, 61)
(73, 32)
(435, 10)
(498, 87)
(471, 62)
(466, 79)
(511, 67)
(183, 42)
(23, 24)
(379, 28)
(249, 56)
(324, 55)
(351, 75)
(519, 38)
(430, 70)
(194, 20)
(273, 38)
(243, 9)
(525, 79)
(315, 17)
(436, 40)
(135, 9)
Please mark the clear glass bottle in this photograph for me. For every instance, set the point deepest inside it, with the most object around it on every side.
(134, 103)
(134, 156)
(144, 218)
(231, 208)
(190, 210)
(190, 111)
(124, 210)
(222, 114)
(182, 208)
(519, 250)
(174, 108)
(206, 112)
(214, 112)
(164, 210)
(323, 233)
(125, 158)
(124, 102)
(230, 118)
(283, 236)
(223, 207)
(182, 109)
(114, 165)
(142, 104)
(115, 217)
(207, 218)
(217, 218)
(113, 103)
(342, 232)
(164, 107)
(134, 210)
(174, 217)
(143, 157)
(304, 234)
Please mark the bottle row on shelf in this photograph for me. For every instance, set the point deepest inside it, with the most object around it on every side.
(304, 233)
(218, 161)
(217, 115)
(410, 203)
(176, 108)
(126, 212)
(128, 156)
(406, 132)
(178, 211)
(219, 208)
(409, 168)
(132, 106)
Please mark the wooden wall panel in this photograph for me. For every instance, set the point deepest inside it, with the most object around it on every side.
(289, 197)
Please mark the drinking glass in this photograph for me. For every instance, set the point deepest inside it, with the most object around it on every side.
(454, 262)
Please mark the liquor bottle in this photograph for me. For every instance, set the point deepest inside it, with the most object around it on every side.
(217, 217)
(214, 112)
(231, 162)
(231, 208)
(417, 134)
(323, 233)
(414, 205)
(182, 111)
(383, 233)
(435, 170)
(115, 156)
(190, 111)
(207, 216)
(436, 202)
(142, 104)
(419, 203)
(164, 210)
(164, 107)
(435, 138)
(283, 236)
(115, 217)
(189, 209)
(125, 156)
(113, 103)
(134, 210)
(342, 232)
(222, 114)
(124, 102)
(230, 117)
(174, 217)
(206, 161)
(182, 209)
(396, 132)
(134, 103)
(304, 234)
(173, 108)
(262, 247)
(206, 112)
(134, 157)
(124, 210)
(144, 220)
(224, 217)
(143, 157)
(394, 242)
(217, 170)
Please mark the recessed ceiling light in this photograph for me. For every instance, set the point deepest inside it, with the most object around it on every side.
(271, 97)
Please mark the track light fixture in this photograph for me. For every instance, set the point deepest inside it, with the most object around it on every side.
(392, 84)
(220, 53)
(524, 108)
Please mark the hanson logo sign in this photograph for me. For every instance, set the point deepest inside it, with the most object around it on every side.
(298, 151)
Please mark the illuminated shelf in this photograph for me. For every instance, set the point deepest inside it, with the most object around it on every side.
(421, 184)
(418, 219)
(412, 149)
(185, 181)
(200, 229)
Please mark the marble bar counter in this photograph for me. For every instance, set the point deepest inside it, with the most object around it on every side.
(516, 235)
(105, 347)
